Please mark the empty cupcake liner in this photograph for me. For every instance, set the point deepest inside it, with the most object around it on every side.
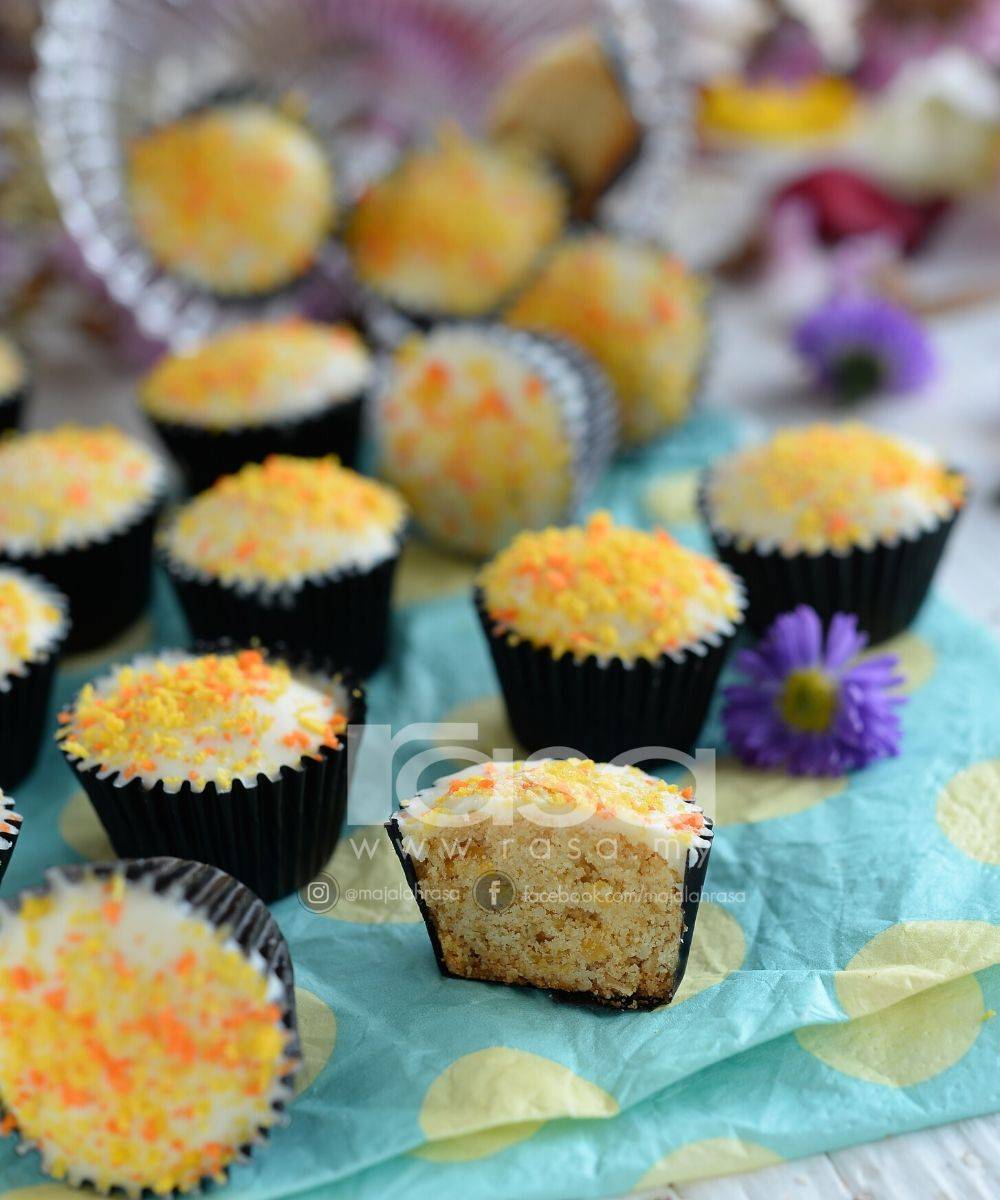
(205, 454)
(226, 904)
(274, 835)
(10, 827)
(884, 586)
(601, 710)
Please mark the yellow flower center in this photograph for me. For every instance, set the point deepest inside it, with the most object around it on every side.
(808, 700)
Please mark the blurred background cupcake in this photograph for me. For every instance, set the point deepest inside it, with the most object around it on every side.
(13, 384)
(283, 387)
(487, 431)
(10, 829)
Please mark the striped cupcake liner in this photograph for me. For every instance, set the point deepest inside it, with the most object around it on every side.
(228, 906)
(274, 835)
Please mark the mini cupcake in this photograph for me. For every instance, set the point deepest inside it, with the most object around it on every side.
(234, 758)
(487, 431)
(606, 639)
(149, 1025)
(840, 517)
(582, 878)
(236, 197)
(455, 228)
(10, 827)
(78, 506)
(13, 384)
(296, 551)
(637, 311)
(33, 626)
(290, 387)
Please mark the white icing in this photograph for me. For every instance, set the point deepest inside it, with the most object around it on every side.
(45, 628)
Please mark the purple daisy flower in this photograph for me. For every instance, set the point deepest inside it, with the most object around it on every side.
(856, 346)
(809, 706)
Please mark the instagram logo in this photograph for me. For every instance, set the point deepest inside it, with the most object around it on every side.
(320, 894)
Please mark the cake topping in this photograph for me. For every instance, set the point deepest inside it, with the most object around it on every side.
(139, 1047)
(456, 226)
(475, 436)
(637, 311)
(279, 522)
(260, 372)
(32, 620)
(12, 370)
(609, 591)
(830, 487)
(198, 719)
(71, 485)
(10, 825)
(236, 198)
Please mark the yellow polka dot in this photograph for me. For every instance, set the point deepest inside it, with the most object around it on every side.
(744, 795)
(317, 1033)
(129, 643)
(673, 498)
(705, 1159)
(373, 889)
(490, 714)
(81, 830)
(42, 1191)
(477, 1145)
(717, 950)
(968, 811)
(916, 658)
(426, 574)
(501, 1087)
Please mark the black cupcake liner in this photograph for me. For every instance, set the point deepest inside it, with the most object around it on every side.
(12, 409)
(224, 903)
(884, 587)
(600, 711)
(274, 835)
(693, 885)
(342, 617)
(10, 828)
(23, 709)
(205, 454)
(106, 582)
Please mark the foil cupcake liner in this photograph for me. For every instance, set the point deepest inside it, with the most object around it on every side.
(10, 828)
(274, 835)
(343, 616)
(227, 905)
(205, 454)
(884, 587)
(601, 710)
(693, 885)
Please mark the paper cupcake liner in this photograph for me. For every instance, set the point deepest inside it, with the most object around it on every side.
(24, 707)
(602, 710)
(884, 586)
(693, 885)
(11, 409)
(342, 616)
(10, 827)
(274, 835)
(205, 454)
(224, 903)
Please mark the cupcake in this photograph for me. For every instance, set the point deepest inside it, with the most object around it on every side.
(236, 198)
(840, 517)
(487, 431)
(77, 506)
(33, 627)
(296, 551)
(291, 387)
(637, 311)
(10, 827)
(13, 384)
(149, 1025)
(606, 639)
(234, 758)
(455, 228)
(579, 877)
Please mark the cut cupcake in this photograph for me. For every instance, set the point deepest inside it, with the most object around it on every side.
(296, 551)
(77, 506)
(582, 878)
(149, 1024)
(607, 639)
(13, 384)
(236, 198)
(840, 517)
(33, 628)
(235, 758)
(290, 387)
(455, 228)
(487, 431)
(637, 311)
(10, 828)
